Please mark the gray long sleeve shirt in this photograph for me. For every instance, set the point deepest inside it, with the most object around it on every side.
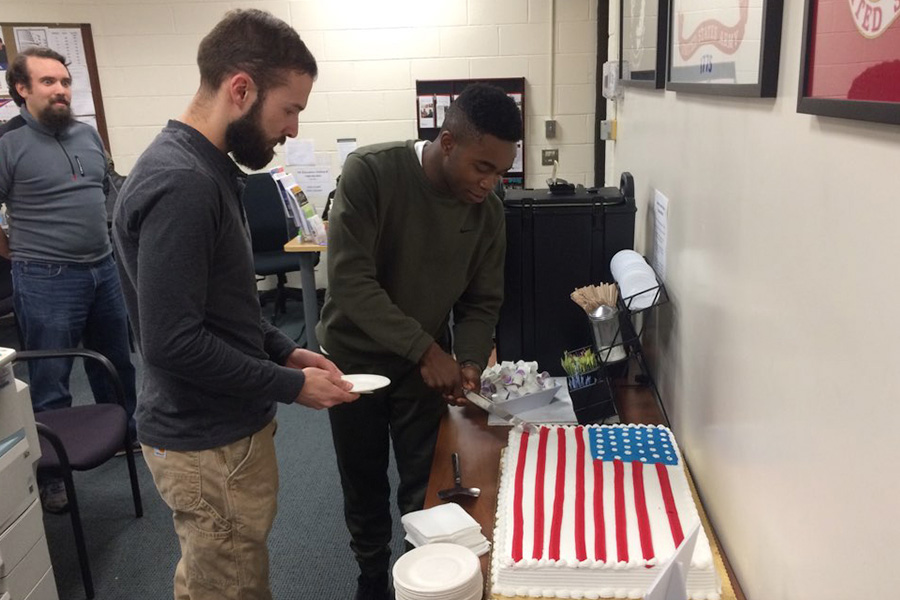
(212, 363)
(52, 185)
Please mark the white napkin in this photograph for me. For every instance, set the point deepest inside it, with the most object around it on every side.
(444, 523)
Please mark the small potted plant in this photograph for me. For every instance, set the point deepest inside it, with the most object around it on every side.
(592, 396)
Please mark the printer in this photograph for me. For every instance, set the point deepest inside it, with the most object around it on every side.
(25, 570)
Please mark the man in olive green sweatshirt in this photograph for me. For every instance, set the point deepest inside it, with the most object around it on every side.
(415, 234)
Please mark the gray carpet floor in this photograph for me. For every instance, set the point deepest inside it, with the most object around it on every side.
(135, 559)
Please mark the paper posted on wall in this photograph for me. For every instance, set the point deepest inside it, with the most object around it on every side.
(298, 209)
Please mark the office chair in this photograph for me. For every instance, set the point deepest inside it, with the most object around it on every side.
(81, 438)
(7, 307)
(269, 232)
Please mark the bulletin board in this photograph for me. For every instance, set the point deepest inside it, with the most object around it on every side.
(76, 43)
(433, 98)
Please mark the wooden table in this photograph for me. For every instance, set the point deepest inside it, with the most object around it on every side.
(464, 430)
(308, 286)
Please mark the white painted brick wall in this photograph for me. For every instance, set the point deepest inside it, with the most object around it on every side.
(370, 55)
(317, 109)
(539, 70)
(439, 68)
(524, 39)
(164, 81)
(580, 36)
(137, 19)
(373, 132)
(504, 66)
(469, 41)
(334, 15)
(333, 77)
(575, 68)
(381, 75)
(574, 11)
(575, 99)
(539, 11)
(495, 12)
(198, 18)
(131, 50)
(373, 44)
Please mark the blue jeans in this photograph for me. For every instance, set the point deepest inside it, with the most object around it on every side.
(64, 305)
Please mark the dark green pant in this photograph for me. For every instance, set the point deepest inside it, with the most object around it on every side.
(408, 414)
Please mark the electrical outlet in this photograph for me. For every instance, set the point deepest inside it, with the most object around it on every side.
(550, 129)
(549, 156)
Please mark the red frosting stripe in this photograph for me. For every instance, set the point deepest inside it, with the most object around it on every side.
(538, 551)
(669, 500)
(518, 515)
(640, 505)
(599, 521)
(621, 534)
(580, 546)
(559, 493)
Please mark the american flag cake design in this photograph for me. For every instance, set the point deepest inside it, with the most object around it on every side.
(593, 512)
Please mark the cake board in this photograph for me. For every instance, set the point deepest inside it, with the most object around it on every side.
(722, 569)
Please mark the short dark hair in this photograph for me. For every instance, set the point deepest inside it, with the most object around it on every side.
(18, 70)
(483, 108)
(257, 43)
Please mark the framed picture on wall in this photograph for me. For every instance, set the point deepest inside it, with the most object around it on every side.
(725, 47)
(643, 35)
(850, 66)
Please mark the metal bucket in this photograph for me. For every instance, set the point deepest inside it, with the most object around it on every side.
(607, 334)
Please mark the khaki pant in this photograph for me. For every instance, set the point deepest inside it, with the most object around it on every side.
(223, 503)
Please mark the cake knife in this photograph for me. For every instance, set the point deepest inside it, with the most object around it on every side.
(491, 407)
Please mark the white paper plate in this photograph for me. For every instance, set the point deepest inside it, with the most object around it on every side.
(363, 383)
(436, 570)
(475, 593)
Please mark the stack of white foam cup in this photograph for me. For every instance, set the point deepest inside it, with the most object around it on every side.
(636, 279)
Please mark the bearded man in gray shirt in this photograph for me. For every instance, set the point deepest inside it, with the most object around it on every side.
(65, 287)
(214, 368)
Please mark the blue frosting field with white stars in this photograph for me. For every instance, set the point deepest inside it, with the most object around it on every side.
(649, 445)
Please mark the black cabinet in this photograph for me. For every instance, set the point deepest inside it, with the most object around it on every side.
(554, 244)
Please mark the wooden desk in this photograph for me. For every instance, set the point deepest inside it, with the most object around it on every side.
(308, 287)
(465, 430)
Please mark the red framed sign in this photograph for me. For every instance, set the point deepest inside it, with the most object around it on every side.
(851, 60)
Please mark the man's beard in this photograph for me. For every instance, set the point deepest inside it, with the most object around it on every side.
(246, 140)
(55, 116)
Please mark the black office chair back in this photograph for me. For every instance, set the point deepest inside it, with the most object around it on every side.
(7, 306)
(6, 288)
(269, 228)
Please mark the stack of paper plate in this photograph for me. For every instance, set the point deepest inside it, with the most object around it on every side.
(438, 572)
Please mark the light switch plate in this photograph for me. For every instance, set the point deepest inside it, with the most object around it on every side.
(550, 129)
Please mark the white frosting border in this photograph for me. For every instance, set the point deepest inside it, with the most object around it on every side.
(546, 578)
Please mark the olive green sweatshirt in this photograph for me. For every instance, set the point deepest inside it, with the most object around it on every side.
(402, 255)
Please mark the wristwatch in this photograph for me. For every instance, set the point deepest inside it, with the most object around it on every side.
(471, 363)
